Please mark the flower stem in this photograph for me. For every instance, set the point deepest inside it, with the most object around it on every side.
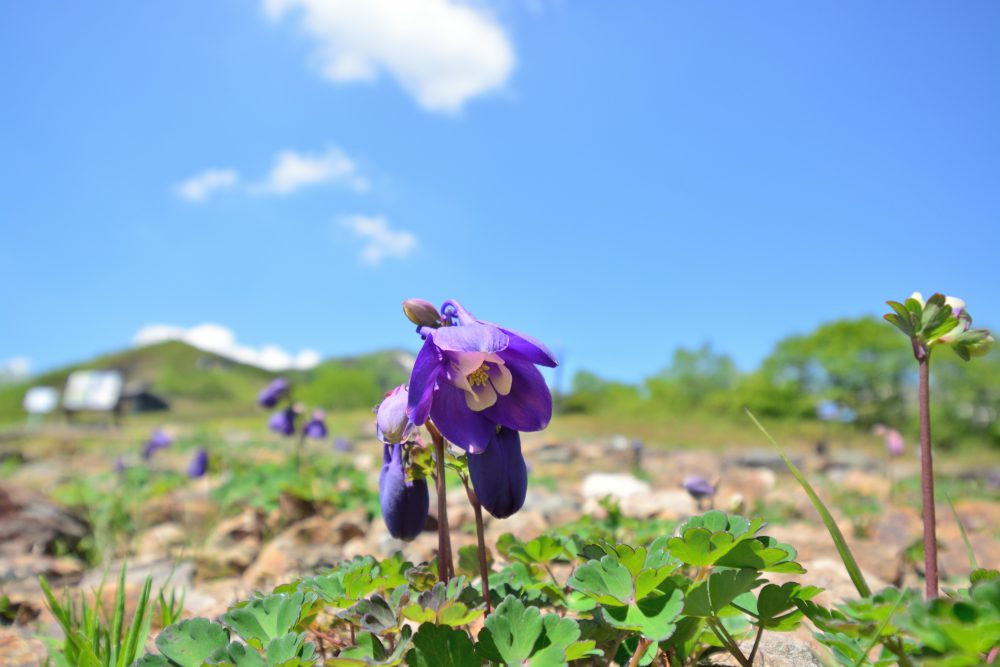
(446, 567)
(927, 480)
(640, 650)
(484, 570)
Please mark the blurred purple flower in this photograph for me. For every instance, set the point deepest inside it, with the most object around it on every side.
(342, 445)
(119, 465)
(391, 422)
(474, 375)
(274, 392)
(158, 440)
(283, 421)
(698, 487)
(316, 427)
(499, 475)
(404, 503)
(894, 443)
(199, 464)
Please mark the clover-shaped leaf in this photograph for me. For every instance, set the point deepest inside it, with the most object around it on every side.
(653, 617)
(468, 560)
(777, 607)
(453, 604)
(369, 652)
(519, 635)
(376, 614)
(263, 619)
(710, 597)
(705, 539)
(190, 642)
(764, 554)
(435, 645)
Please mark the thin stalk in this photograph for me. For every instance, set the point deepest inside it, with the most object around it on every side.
(640, 650)
(446, 567)
(756, 643)
(484, 570)
(927, 480)
(728, 641)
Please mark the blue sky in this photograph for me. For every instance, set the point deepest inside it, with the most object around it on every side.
(616, 179)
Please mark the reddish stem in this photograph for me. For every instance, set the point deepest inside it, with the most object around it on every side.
(446, 568)
(927, 480)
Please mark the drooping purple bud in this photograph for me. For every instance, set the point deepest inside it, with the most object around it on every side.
(316, 427)
(342, 445)
(391, 421)
(158, 440)
(422, 313)
(500, 475)
(274, 392)
(698, 487)
(283, 421)
(404, 503)
(199, 464)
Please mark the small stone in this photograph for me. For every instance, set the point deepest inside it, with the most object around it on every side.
(599, 485)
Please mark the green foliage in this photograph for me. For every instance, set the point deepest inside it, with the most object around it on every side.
(96, 637)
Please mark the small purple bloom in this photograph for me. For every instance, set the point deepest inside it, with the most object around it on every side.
(274, 392)
(283, 421)
(894, 443)
(199, 464)
(499, 475)
(391, 421)
(472, 376)
(698, 487)
(342, 445)
(158, 440)
(404, 502)
(120, 465)
(316, 427)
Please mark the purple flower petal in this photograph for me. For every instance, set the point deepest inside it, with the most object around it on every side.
(470, 338)
(531, 349)
(467, 429)
(404, 504)
(426, 369)
(698, 487)
(528, 406)
(391, 422)
(499, 475)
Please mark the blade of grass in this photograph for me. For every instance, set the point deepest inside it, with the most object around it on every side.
(853, 570)
(965, 536)
(139, 628)
(878, 634)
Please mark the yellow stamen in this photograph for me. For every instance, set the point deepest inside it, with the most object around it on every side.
(480, 376)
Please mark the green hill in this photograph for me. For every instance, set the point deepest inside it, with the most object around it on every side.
(195, 381)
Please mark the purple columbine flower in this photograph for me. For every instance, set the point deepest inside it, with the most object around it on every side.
(199, 464)
(698, 487)
(391, 421)
(274, 392)
(474, 375)
(158, 440)
(316, 427)
(283, 421)
(404, 502)
(342, 445)
(499, 475)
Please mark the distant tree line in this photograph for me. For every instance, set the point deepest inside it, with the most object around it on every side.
(861, 364)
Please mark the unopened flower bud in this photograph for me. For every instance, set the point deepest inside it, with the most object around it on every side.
(500, 475)
(422, 313)
(404, 503)
(391, 421)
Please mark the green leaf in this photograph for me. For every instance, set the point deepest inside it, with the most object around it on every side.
(236, 654)
(607, 581)
(708, 598)
(652, 617)
(434, 646)
(190, 642)
(453, 605)
(519, 635)
(764, 554)
(152, 660)
(263, 619)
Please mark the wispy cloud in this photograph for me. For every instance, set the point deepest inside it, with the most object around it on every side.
(198, 188)
(380, 240)
(294, 171)
(222, 341)
(443, 52)
(14, 369)
(291, 171)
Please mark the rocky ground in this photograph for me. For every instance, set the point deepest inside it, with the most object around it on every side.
(236, 555)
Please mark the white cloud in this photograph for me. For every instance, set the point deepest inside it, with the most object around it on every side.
(198, 188)
(222, 341)
(443, 52)
(380, 239)
(293, 171)
(14, 369)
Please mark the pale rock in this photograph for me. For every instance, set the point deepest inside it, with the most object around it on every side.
(658, 504)
(599, 485)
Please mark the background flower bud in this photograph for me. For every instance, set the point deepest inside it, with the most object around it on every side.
(391, 421)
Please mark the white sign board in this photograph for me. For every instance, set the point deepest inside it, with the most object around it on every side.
(40, 400)
(93, 390)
